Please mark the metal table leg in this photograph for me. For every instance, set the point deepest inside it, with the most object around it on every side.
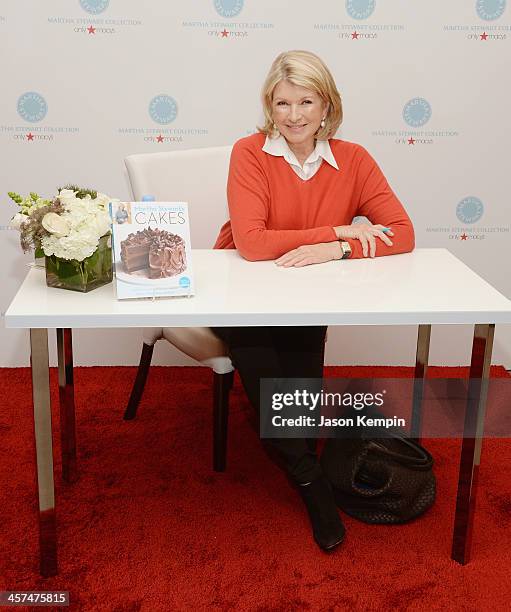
(472, 442)
(67, 404)
(44, 452)
(421, 366)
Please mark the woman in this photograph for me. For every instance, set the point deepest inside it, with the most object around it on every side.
(293, 191)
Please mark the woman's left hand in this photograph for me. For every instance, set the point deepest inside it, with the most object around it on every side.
(310, 254)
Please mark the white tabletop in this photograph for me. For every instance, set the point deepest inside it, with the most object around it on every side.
(426, 286)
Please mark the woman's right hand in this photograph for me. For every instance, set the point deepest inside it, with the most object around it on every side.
(367, 235)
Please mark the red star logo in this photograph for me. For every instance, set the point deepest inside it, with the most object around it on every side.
(463, 236)
(224, 33)
(91, 30)
(411, 140)
(30, 136)
(483, 36)
(354, 35)
(159, 138)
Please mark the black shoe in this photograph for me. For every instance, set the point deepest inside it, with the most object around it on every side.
(327, 526)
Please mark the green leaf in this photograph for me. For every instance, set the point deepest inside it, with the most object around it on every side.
(38, 252)
(92, 260)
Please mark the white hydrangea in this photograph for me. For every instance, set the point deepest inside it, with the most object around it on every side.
(75, 246)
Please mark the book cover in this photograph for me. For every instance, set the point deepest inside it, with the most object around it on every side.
(151, 249)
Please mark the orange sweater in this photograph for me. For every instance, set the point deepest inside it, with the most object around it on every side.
(272, 210)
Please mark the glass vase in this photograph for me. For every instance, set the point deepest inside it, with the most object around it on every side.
(39, 257)
(85, 275)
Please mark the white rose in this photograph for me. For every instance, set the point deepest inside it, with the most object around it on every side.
(18, 220)
(55, 224)
(67, 196)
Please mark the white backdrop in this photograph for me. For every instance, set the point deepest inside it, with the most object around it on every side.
(425, 88)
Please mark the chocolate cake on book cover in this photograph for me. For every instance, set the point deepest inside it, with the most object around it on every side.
(158, 252)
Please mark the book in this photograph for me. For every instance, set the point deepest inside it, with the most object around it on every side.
(151, 249)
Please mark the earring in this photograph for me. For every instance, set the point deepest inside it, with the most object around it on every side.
(322, 124)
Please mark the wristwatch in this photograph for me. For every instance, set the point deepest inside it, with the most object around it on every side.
(346, 249)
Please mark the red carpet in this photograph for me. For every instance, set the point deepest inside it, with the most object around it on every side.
(149, 526)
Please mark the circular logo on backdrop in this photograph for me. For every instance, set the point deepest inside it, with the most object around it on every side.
(163, 109)
(32, 106)
(228, 8)
(94, 6)
(417, 112)
(360, 9)
(470, 209)
(490, 9)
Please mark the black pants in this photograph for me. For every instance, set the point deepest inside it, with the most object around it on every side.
(279, 352)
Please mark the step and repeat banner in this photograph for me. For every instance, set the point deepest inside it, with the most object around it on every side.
(425, 88)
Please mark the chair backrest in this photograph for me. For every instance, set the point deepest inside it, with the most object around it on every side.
(196, 176)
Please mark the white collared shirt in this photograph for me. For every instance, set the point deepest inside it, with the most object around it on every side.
(279, 147)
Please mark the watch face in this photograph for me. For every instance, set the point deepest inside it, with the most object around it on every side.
(346, 250)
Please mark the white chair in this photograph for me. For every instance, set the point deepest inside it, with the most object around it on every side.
(199, 177)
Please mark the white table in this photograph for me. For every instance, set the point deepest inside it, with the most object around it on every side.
(428, 286)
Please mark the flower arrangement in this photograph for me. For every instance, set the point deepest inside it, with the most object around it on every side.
(72, 230)
(69, 226)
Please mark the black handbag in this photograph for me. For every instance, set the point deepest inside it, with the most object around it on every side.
(380, 480)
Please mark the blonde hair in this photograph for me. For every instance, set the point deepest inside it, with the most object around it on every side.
(305, 69)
